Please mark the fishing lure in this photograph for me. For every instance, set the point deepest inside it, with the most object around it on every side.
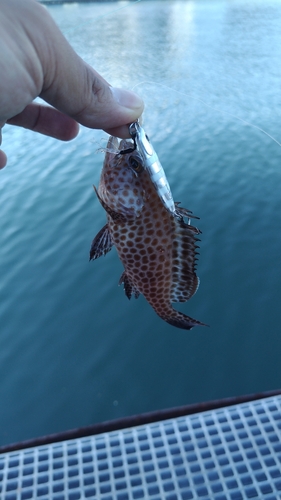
(152, 164)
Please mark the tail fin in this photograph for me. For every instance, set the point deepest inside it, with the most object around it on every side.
(180, 320)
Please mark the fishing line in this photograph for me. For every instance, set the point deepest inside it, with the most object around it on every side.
(209, 106)
(185, 94)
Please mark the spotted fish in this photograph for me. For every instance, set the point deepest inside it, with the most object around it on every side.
(157, 248)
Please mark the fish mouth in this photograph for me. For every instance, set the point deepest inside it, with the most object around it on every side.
(125, 144)
(116, 145)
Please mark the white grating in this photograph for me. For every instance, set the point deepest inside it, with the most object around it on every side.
(233, 453)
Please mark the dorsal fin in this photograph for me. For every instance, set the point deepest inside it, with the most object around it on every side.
(184, 212)
(184, 282)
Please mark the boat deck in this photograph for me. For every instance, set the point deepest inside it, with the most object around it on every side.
(229, 453)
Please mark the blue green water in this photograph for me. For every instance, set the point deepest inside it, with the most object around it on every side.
(73, 349)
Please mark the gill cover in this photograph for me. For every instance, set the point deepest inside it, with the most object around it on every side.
(120, 184)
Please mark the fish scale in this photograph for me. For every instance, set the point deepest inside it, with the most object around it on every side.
(157, 249)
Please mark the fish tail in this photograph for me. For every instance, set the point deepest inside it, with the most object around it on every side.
(178, 319)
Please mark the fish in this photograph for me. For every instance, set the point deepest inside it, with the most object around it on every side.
(157, 248)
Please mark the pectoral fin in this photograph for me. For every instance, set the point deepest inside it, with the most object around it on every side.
(129, 287)
(101, 244)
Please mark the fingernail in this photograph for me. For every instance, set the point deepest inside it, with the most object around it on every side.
(126, 98)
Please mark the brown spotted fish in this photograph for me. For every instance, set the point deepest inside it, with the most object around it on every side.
(156, 248)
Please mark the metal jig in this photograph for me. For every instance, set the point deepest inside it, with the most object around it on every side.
(152, 165)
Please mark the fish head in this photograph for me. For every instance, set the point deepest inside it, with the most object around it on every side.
(121, 184)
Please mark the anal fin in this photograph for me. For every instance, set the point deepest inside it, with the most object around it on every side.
(101, 244)
(129, 287)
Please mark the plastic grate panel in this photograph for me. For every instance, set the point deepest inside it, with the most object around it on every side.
(232, 453)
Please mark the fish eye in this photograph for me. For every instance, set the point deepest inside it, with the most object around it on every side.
(136, 164)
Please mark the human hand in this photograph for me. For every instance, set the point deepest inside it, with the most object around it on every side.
(36, 60)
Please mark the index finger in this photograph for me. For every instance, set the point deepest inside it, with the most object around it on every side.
(46, 120)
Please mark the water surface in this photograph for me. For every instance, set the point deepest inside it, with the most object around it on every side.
(73, 349)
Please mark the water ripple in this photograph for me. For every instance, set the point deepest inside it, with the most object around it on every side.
(71, 344)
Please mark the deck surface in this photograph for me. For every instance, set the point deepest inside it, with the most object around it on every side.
(231, 453)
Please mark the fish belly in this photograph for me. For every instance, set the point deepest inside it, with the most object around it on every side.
(150, 248)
